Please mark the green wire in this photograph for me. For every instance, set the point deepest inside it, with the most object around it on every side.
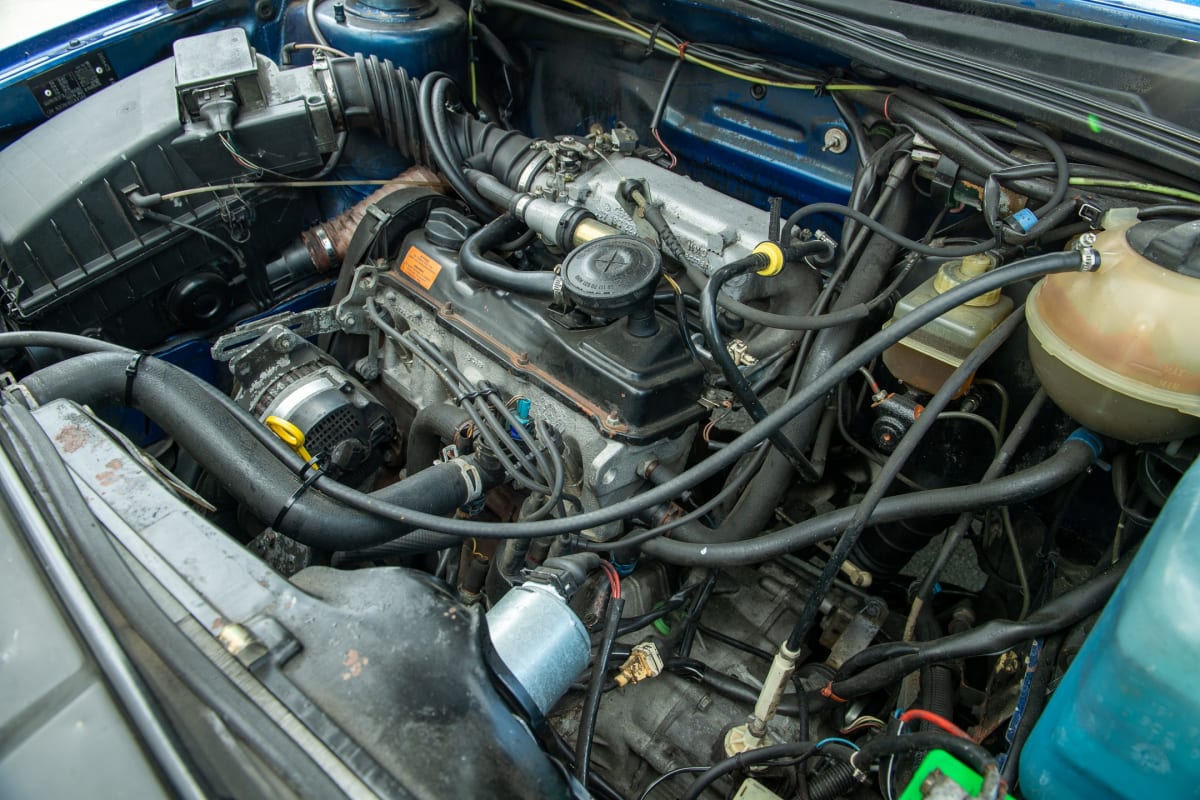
(1152, 188)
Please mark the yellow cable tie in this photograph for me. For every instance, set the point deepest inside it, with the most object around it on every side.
(775, 258)
(292, 436)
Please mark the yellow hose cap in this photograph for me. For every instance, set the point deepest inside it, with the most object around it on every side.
(773, 252)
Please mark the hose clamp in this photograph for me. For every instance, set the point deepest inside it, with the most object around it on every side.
(1089, 259)
(560, 297)
(471, 478)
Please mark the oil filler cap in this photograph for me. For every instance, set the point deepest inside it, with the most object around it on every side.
(612, 276)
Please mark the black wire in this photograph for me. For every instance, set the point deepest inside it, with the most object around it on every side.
(591, 704)
(693, 616)
(814, 391)
(738, 382)
(257, 283)
(882, 483)
(661, 107)
(747, 759)
(735, 643)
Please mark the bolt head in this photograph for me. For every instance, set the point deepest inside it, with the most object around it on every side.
(836, 141)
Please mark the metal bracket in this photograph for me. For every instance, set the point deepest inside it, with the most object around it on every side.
(305, 324)
(346, 317)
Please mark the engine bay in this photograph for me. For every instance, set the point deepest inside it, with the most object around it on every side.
(533, 402)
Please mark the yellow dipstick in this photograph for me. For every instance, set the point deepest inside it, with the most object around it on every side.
(292, 436)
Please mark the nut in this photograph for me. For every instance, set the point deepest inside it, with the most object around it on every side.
(836, 141)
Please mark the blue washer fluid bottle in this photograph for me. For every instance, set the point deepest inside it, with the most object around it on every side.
(1125, 721)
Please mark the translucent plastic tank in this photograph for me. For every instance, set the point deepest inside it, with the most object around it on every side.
(1117, 349)
(1125, 722)
(926, 358)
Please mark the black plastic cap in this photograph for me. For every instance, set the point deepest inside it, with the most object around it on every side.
(449, 229)
(611, 276)
(1169, 243)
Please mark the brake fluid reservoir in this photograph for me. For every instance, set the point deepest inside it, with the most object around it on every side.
(1117, 349)
(925, 358)
(1125, 721)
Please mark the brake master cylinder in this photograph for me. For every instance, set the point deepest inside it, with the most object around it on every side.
(925, 358)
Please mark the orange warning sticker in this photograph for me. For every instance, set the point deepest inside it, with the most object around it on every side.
(420, 267)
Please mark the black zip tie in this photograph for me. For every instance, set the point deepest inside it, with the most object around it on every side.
(653, 36)
(312, 468)
(131, 371)
(819, 89)
(475, 395)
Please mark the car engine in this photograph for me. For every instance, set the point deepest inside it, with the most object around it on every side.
(532, 402)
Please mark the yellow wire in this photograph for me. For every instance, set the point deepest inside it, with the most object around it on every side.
(663, 47)
(1152, 188)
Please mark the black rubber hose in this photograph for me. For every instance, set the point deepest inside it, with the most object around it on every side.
(937, 679)
(483, 269)
(666, 236)
(754, 509)
(431, 427)
(965, 750)
(744, 760)
(895, 463)
(412, 543)
(1169, 210)
(792, 293)
(833, 782)
(737, 381)
(713, 465)
(180, 404)
(591, 703)
(999, 464)
(441, 143)
(995, 636)
(1067, 463)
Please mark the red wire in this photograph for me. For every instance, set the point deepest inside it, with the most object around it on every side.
(933, 719)
(614, 578)
(664, 147)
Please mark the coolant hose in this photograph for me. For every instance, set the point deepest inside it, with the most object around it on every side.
(212, 435)
(431, 427)
(411, 544)
(753, 511)
(483, 269)
(1075, 456)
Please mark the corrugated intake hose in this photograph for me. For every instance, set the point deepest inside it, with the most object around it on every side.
(177, 402)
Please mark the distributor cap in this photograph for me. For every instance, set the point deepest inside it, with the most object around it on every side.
(611, 276)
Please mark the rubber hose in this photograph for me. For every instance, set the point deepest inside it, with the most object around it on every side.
(833, 782)
(793, 293)
(965, 750)
(177, 402)
(431, 427)
(413, 543)
(937, 680)
(1068, 462)
(754, 509)
(484, 270)
(992, 637)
